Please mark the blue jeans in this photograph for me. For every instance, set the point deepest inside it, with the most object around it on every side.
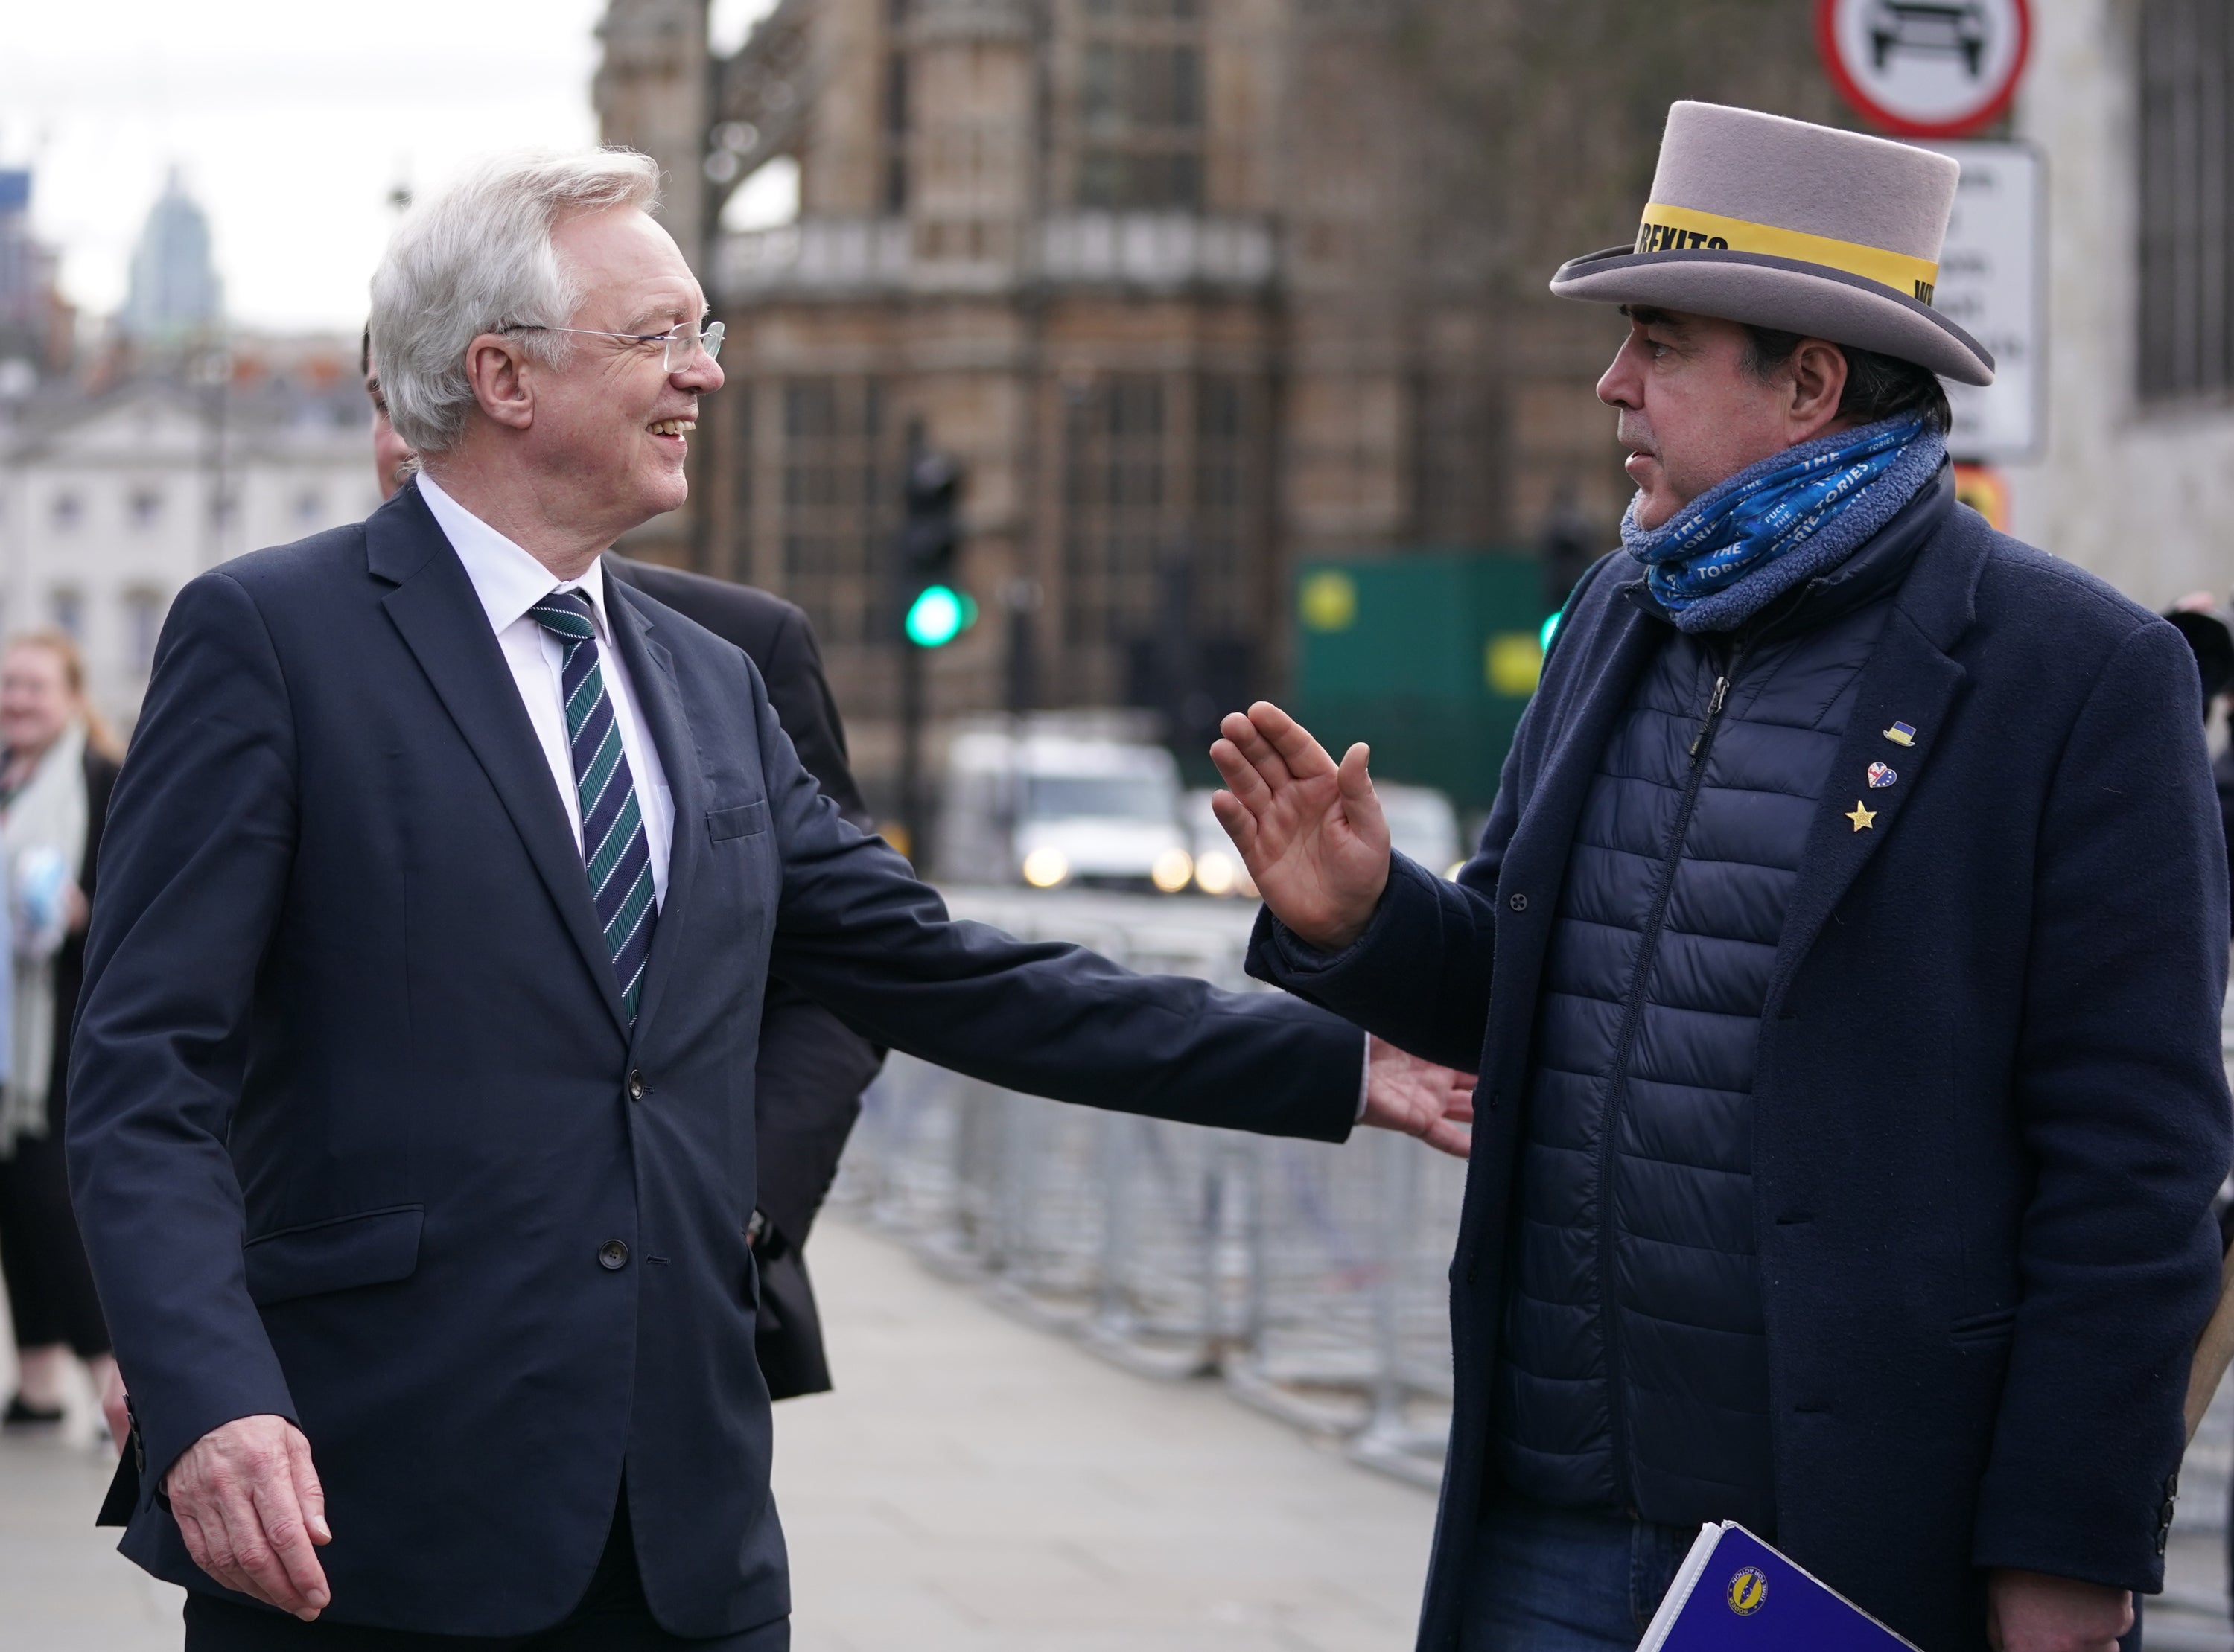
(1557, 1580)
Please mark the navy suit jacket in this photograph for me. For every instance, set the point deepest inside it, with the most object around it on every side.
(359, 1134)
(1990, 1111)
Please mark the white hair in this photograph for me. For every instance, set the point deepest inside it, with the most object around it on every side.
(479, 257)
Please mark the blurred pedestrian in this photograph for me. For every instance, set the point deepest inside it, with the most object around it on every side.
(1843, 957)
(59, 768)
(410, 1134)
(810, 1068)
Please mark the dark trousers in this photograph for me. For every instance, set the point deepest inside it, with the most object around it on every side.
(49, 1285)
(612, 1617)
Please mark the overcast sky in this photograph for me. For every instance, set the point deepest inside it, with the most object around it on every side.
(291, 120)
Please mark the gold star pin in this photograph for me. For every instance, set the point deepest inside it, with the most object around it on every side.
(1863, 817)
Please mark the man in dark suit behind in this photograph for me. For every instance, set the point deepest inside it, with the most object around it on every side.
(412, 1129)
(812, 1067)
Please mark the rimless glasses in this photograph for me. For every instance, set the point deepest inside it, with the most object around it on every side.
(680, 343)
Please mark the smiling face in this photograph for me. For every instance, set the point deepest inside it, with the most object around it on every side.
(613, 423)
(1693, 415)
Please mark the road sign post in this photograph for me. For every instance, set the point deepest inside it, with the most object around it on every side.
(1993, 285)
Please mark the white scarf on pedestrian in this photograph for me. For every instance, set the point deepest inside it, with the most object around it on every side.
(47, 816)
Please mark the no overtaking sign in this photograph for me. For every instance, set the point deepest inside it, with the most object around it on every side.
(1925, 69)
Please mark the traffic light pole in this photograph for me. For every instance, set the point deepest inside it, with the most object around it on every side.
(911, 696)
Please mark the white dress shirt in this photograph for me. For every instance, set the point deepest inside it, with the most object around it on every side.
(509, 582)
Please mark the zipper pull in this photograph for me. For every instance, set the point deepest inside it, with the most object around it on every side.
(1714, 710)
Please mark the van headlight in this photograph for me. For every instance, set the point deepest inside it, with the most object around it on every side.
(1172, 870)
(1044, 867)
(1215, 872)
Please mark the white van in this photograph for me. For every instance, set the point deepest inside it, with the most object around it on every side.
(1049, 807)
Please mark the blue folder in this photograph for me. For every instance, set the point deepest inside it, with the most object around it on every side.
(1736, 1594)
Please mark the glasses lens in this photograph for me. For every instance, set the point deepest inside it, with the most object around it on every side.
(684, 343)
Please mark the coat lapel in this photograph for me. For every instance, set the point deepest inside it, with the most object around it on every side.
(651, 671)
(1909, 679)
(1547, 828)
(442, 622)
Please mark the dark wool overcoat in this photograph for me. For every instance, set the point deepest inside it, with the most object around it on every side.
(1990, 1111)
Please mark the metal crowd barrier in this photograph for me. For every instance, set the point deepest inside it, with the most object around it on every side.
(1310, 1278)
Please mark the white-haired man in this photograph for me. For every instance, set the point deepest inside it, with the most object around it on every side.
(412, 1118)
(1843, 958)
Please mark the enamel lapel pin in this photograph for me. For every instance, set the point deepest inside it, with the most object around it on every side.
(1862, 815)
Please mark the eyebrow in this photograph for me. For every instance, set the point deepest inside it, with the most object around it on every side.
(644, 320)
(1651, 316)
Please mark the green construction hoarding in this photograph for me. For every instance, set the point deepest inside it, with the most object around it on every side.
(1427, 656)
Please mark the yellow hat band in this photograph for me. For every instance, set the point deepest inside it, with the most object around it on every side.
(1670, 229)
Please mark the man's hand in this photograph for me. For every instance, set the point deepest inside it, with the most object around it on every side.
(115, 1408)
(249, 1505)
(1404, 1093)
(2030, 1611)
(1310, 832)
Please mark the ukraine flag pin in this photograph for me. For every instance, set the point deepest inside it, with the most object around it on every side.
(1901, 734)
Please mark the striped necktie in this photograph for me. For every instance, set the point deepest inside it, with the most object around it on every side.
(614, 848)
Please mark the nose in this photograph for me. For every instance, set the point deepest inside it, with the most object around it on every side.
(702, 374)
(1622, 385)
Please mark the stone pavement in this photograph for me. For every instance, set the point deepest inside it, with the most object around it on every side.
(974, 1485)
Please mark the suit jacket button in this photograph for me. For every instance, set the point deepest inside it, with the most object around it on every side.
(637, 1087)
(1519, 902)
(612, 1255)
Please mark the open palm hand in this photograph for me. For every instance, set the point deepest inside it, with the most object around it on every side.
(1310, 829)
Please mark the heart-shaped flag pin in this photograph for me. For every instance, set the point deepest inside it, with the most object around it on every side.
(1881, 776)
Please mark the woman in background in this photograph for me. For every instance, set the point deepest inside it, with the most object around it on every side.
(58, 769)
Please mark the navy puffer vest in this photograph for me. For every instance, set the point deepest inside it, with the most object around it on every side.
(1634, 1186)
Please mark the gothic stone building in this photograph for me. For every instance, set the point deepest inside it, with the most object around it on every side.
(1193, 289)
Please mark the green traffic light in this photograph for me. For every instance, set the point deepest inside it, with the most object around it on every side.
(938, 615)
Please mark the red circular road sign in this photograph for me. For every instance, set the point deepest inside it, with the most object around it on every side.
(1925, 69)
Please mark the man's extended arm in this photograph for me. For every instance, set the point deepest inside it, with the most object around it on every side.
(860, 934)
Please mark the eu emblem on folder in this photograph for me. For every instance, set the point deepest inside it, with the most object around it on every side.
(1736, 1594)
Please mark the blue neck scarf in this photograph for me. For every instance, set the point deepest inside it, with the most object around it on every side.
(1795, 515)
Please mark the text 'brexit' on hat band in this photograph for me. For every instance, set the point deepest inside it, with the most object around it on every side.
(1674, 228)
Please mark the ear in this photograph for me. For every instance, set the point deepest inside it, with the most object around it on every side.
(498, 369)
(1817, 371)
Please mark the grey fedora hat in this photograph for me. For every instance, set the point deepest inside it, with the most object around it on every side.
(1757, 218)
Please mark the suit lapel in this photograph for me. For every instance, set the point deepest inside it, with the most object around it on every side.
(1909, 679)
(651, 671)
(442, 622)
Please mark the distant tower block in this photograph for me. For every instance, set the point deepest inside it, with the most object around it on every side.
(651, 94)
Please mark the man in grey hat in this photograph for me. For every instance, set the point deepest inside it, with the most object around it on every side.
(1842, 961)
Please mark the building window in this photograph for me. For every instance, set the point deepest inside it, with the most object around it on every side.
(70, 511)
(1228, 520)
(1114, 528)
(146, 507)
(2188, 199)
(66, 607)
(1140, 106)
(839, 515)
(1454, 449)
(143, 622)
(896, 120)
